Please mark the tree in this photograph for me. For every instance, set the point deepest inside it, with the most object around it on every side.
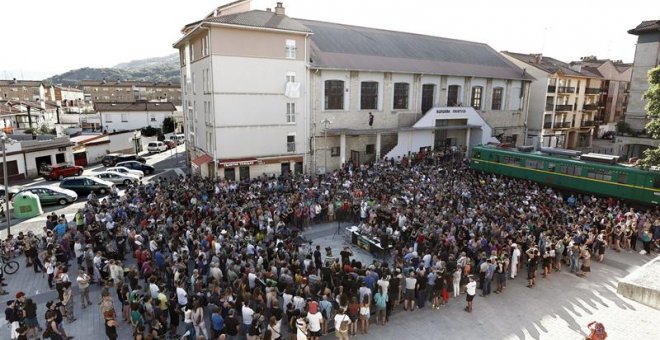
(652, 97)
(168, 125)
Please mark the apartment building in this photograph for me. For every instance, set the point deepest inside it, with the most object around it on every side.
(70, 99)
(566, 103)
(312, 96)
(26, 90)
(616, 79)
(130, 91)
(633, 142)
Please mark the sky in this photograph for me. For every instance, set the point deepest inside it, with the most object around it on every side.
(44, 37)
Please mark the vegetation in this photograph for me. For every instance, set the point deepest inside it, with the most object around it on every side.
(150, 131)
(163, 69)
(168, 125)
(652, 97)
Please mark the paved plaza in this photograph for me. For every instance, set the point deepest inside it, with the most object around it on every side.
(558, 308)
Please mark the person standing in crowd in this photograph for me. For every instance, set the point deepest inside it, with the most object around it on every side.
(532, 265)
(342, 323)
(515, 260)
(83, 287)
(411, 287)
(471, 290)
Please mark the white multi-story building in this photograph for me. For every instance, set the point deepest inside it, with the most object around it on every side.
(116, 117)
(566, 102)
(265, 93)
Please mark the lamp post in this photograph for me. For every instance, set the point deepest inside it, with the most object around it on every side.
(135, 141)
(5, 139)
(326, 122)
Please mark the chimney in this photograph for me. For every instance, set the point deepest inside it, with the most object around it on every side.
(268, 9)
(279, 9)
(537, 58)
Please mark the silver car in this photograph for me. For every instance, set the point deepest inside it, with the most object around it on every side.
(118, 178)
(126, 171)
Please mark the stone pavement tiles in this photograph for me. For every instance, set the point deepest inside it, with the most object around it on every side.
(557, 308)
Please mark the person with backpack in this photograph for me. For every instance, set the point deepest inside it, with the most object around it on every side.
(342, 323)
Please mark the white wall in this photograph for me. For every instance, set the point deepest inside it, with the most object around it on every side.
(32, 166)
(112, 121)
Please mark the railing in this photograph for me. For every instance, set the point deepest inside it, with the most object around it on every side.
(566, 89)
(590, 107)
(552, 89)
(548, 107)
(562, 125)
(564, 108)
(587, 123)
(547, 125)
(592, 90)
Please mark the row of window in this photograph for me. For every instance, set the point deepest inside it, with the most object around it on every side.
(334, 96)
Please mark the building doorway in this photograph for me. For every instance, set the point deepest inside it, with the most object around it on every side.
(286, 168)
(355, 157)
(43, 160)
(298, 168)
(59, 158)
(427, 97)
(230, 174)
(244, 172)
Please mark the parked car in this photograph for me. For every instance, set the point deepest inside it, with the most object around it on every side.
(155, 147)
(146, 168)
(170, 144)
(609, 135)
(85, 185)
(126, 171)
(53, 195)
(114, 158)
(118, 178)
(179, 138)
(12, 192)
(60, 171)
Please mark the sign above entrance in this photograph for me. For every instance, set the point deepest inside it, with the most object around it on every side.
(235, 163)
(457, 110)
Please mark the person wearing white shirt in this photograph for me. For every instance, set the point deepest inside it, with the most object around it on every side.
(181, 296)
(515, 259)
(314, 324)
(471, 290)
(247, 314)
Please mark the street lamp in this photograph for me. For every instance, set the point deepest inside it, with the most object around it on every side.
(135, 141)
(326, 122)
(5, 139)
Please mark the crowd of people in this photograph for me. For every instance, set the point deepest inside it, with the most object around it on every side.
(204, 258)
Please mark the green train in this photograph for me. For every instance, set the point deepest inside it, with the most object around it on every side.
(592, 173)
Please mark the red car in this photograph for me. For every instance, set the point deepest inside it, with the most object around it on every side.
(59, 171)
(170, 144)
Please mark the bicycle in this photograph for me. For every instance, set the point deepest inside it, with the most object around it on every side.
(9, 266)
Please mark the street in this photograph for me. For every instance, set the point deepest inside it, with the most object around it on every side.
(166, 163)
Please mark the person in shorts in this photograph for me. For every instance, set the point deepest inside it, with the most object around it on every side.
(471, 290)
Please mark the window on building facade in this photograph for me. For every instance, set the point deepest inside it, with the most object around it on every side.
(290, 112)
(291, 49)
(334, 151)
(401, 91)
(371, 149)
(182, 57)
(291, 77)
(194, 88)
(369, 95)
(108, 118)
(428, 91)
(475, 100)
(452, 95)
(291, 143)
(192, 51)
(334, 95)
(153, 117)
(497, 98)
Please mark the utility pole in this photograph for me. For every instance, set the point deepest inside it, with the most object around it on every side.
(326, 123)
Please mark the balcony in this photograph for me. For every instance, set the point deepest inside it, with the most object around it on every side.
(588, 123)
(552, 89)
(566, 89)
(590, 107)
(549, 107)
(592, 90)
(547, 125)
(564, 108)
(562, 125)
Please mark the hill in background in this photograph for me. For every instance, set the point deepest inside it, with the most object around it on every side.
(165, 69)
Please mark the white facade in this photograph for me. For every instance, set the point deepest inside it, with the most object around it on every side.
(468, 127)
(132, 120)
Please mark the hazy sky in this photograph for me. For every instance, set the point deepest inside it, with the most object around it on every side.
(45, 37)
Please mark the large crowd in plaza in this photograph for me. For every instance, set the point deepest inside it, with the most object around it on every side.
(204, 258)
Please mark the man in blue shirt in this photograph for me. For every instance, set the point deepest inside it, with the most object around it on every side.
(60, 228)
(217, 323)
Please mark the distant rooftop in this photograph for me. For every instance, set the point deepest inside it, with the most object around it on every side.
(20, 82)
(134, 106)
(552, 65)
(128, 83)
(648, 26)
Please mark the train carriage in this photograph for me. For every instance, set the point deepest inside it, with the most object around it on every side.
(570, 172)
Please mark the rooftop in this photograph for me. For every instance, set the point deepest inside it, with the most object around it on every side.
(552, 65)
(648, 26)
(135, 106)
(260, 19)
(338, 46)
(127, 83)
(14, 82)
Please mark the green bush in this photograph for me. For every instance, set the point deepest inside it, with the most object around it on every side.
(150, 131)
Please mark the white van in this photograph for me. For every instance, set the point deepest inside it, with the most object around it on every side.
(178, 139)
(153, 147)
